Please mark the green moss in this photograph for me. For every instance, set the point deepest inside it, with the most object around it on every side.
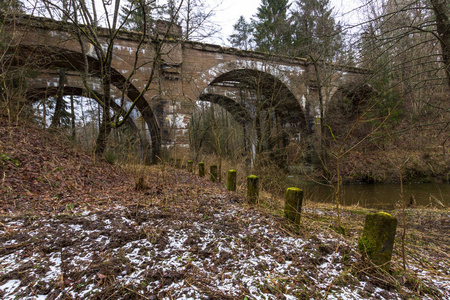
(231, 182)
(358, 211)
(293, 204)
(252, 189)
(190, 165)
(201, 169)
(4, 158)
(178, 163)
(340, 229)
(377, 240)
(213, 173)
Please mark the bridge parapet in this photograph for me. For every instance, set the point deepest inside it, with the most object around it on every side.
(187, 71)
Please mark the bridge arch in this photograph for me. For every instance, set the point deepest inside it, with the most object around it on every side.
(350, 99)
(263, 104)
(54, 57)
(282, 73)
(38, 93)
(352, 103)
(271, 92)
(240, 114)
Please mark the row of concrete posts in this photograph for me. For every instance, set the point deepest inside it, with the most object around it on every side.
(376, 242)
(294, 196)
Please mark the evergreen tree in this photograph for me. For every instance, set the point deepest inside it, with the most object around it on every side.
(242, 36)
(10, 6)
(272, 27)
(134, 13)
(316, 33)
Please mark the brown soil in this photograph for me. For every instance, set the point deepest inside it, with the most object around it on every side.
(72, 228)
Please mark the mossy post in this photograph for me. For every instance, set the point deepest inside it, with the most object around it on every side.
(190, 165)
(231, 182)
(201, 169)
(252, 189)
(178, 163)
(213, 173)
(377, 240)
(293, 204)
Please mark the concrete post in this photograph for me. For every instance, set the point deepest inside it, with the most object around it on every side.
(252, 189)
(190, 165)
(231, 182)
(201, 169)
(377, 240)
(293, 204)
(213, 173)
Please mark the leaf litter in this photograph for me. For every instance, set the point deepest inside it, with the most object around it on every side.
(183, 237)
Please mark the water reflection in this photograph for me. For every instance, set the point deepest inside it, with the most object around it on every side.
(382, 195)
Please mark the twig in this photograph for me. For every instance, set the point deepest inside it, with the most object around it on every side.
(15, 246)
(137, 293)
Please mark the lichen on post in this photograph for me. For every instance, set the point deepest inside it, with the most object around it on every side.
(213, 173)
(231, 182)
(190, 165)
(377, 240)
(293, 204)
(252, 189)
(201, 169)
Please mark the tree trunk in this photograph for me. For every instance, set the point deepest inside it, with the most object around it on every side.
(44, 116)
(72, 114)
(59, 99)
(322, 147)
(105, 127)
(441, 10)
(104, 131)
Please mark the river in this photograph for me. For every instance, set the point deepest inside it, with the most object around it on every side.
(382, 196)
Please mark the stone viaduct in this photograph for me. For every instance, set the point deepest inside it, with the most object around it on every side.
(188, 72)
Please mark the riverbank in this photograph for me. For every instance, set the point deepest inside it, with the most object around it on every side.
(191, 238)
(75, 227)
(379, 166)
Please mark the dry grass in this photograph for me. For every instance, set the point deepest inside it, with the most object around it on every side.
(171, 201)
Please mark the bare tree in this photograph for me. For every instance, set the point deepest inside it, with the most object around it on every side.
(96, 30)
(195, 17)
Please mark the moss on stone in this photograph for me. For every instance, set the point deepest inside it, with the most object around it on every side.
(201, 169)
(231, 182)
(213, 173)
(252, 189)
(293, 204)
(190, 165)
(377, 240)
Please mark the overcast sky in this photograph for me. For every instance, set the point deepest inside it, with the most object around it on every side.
(229, 12)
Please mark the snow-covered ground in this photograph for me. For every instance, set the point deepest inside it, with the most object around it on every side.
(209, 248)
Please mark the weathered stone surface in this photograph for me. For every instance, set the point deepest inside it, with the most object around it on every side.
(213, 173)
(231, 182)
(190, 165)
(252, 189)
(178, 163)
(377, 240)
(293, 204)
(201, 169)
(187, 71)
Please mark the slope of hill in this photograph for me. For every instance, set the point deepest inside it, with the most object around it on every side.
(40, 171)
(71, 229)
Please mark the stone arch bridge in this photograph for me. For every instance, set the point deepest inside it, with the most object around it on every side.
(187, 72)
